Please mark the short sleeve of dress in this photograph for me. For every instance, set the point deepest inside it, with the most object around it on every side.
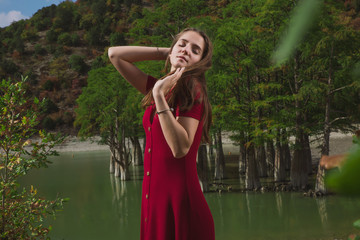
(195, 112)
(150, 82)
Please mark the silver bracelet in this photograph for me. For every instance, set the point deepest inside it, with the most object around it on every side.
(168, 109)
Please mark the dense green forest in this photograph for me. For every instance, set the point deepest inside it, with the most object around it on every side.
(63, 51)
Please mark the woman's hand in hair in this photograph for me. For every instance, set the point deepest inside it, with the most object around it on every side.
(164, 85)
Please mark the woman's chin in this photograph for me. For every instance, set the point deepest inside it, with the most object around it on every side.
(178, 65)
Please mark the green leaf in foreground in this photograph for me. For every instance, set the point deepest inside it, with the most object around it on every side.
(302, 20)
(346, 181)
(357, 224)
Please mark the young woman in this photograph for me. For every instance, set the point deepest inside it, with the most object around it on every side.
(177, 118)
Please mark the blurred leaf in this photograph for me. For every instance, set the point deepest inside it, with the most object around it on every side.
(353, 237)
(300, 23)
(346, 181)
(357, 223)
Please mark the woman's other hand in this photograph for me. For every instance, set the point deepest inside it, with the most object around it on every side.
(163, 86)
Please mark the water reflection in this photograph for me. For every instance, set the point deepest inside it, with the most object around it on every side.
(248, 208)
(281, 215)
(103, 207)
(321, 204)
(279, 206)
(120, 199)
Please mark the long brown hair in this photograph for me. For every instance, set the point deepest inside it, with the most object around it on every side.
(191, 87)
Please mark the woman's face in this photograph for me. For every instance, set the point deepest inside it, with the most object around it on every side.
(187, 50)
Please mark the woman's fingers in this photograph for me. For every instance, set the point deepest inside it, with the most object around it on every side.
(181, 70)
(169, 82)
(177, 74)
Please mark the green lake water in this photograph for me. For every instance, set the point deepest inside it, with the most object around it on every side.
(101, 207)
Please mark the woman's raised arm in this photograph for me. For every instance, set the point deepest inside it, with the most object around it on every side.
(123, 58)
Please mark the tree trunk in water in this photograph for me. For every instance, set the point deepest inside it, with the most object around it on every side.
(260, 155)
(112, 163)
(251, 179)
(211, 155)
(124, 173)
(320, 176)
(260, 158)
(279, 166)
(117, 169)
(299, 170)
(286, 155)
(111, 144)
(137, 155)
(121, 155)
(219, 158)
(242, 158)
(320, 183)
(308, 152)
(202, 168)
(123, 164)
(124, 158)
(270, 157)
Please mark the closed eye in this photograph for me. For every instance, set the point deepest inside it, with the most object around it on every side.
(195, 48)
(196, 51)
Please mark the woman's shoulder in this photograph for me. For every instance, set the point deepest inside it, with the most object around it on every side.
(199, 91)
(150, 82)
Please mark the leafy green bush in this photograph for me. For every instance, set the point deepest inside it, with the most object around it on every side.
(48, 106)
(64, 39)
(22, 211)
(64, 16)
(18, 44)
(51, 48)
(51, 36)
(29, 35)
(99, 8)
(48, 123)
(42, 24)
(98, 63)
(68, 118)
(32, 78)
(48, 85)
(87, 21)
(93, 36)
(39, 50)
(8, 66)
(77, 63)
(59, 51)
(75, 40)
(117, 39)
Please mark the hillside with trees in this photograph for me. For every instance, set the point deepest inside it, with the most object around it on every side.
(63, 51)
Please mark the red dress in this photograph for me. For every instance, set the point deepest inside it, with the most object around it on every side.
(173, 206)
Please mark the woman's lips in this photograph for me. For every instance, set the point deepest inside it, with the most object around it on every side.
(183, 58)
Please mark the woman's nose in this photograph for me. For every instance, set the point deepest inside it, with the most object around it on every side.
(184, 50)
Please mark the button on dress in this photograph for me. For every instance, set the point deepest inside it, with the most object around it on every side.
(173, 206)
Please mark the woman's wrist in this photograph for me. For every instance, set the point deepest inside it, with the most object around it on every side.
(157, 95)
(162, 52)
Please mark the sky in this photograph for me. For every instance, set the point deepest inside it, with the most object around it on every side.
(15, 10)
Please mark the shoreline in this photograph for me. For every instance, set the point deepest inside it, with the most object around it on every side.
(339, 143)
(75, 144)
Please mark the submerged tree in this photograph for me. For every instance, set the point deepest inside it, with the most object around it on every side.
(110, 107)
(100, 108)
